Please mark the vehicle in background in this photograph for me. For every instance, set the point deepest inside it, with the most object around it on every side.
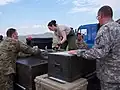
(89, 32)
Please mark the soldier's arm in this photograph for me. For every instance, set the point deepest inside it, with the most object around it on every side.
(102, 45)
(27, 49)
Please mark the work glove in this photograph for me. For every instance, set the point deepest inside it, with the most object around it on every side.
(59, 44)
(80, 52)
(35, 48)
(37, 51)
(57, 47)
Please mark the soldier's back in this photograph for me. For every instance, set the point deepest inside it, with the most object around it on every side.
(109, 69)
(8, 55)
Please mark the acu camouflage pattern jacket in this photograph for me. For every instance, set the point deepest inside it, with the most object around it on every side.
(107, 52)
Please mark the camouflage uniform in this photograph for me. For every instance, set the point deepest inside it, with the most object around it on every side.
(110, 86)
(81, 44)
(21, 55)
(107, 53)
(9, 49)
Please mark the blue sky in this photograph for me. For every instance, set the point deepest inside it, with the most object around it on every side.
(32, 16)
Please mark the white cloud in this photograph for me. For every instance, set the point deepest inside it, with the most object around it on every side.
(63, 1)
(4, 2)
(83, 9)
(27, 29)
(35, 26)
(32, 29)
(38, 26)
(92, 5)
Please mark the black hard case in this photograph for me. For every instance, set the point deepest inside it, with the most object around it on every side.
(27, 69)
(69, 67)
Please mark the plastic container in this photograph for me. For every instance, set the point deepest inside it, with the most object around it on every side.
(27, 69)
(44, 83)
(68, 67)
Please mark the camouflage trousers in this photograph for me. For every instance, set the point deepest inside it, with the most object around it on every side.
(110, 86)
(6, 82)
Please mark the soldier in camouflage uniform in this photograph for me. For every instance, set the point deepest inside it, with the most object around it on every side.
(106, 50)
(80, 42)
(9, 49)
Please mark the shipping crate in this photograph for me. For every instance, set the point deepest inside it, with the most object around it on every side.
(68, 67)
(44, 83)
(27, 69)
